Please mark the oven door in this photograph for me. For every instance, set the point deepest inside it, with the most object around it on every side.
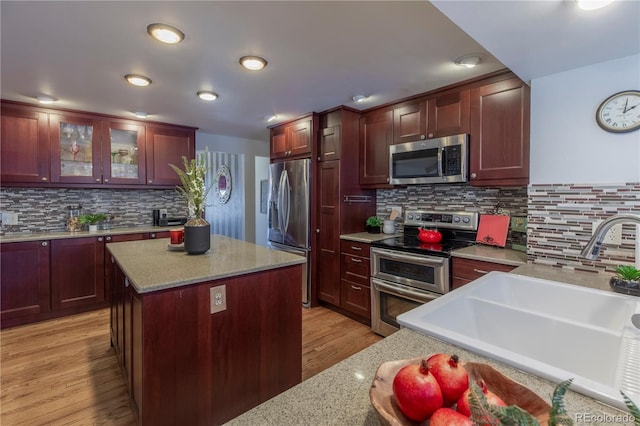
(388, 300)
(429, 273)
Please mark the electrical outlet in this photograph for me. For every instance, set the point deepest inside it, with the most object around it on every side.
(218, 299)
(614, 235)
(9, 218)
(163, 214)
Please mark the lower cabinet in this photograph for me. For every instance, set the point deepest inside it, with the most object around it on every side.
(467, 270)
(40, 280)
(24, 281)
(355, 293)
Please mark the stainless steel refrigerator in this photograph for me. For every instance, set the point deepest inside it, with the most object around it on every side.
(289, 213)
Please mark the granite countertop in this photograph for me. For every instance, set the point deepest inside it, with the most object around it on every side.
(151, 266)
(599, 281)
(340, 394)
(365, 237)
(59, 235)
(491, 254)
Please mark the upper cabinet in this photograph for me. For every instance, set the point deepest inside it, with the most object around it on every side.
(67, 148)
(167, 146)
(293, 139)
(24, 151)
(376, 135)
(499, 141)
(448, 114)
(410, 122)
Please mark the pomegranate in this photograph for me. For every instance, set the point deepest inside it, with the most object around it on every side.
(492, 399)
(451, 376)
(447, 417)
(417, 391)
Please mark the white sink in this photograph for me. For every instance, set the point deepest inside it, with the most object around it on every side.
(554, 330)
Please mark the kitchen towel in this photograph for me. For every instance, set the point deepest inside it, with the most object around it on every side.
(493, 229)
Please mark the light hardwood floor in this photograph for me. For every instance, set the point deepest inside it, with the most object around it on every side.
(64, 372)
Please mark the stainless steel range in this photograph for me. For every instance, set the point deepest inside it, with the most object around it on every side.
(406, 272)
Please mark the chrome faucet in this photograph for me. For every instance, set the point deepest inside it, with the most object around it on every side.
(592, 249)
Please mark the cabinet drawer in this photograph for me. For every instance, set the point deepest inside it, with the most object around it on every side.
(356, 298)
(355, 248)
(473, 269)
(355, 268)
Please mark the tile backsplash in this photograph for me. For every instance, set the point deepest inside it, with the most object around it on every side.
(45, 210)
(561, 218)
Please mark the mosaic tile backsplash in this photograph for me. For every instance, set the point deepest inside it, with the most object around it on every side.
(561, 218)
(45, 210)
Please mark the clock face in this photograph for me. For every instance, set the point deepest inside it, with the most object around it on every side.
(620, 112)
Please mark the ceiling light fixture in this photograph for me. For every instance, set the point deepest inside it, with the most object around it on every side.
(141, 114)
(270, 118)
(207, 95)
(468, 61)
(593, 4)
(253, 63)
(138, 80)
(165, 33)
(44, 99)
(360, 98)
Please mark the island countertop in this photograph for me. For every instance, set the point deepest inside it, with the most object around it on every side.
(150, 265)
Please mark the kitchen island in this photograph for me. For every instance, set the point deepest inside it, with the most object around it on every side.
(201, 339)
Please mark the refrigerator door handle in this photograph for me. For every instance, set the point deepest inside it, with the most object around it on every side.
(287, 199)
(280, 201)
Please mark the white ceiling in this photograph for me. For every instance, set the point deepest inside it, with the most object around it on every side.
(320, 53)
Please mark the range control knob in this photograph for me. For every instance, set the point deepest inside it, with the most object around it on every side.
(456, 219)
(466, 220)
(410, 217)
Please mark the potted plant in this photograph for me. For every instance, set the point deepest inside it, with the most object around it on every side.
(92, 220)
(626, 280)
(373, 224)
(197, 231)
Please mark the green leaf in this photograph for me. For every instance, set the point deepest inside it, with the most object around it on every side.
(558, 414)
(633, 409)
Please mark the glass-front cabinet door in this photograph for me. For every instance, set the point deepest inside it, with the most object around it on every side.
(75, 149)
(124, 156)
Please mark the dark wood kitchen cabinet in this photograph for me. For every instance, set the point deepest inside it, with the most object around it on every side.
(77, 273)
(342, 204)
(376, 136)
(466, 270)
(354, 278)
(24, 281)
(409, 122)
(47, 147)
(294, 139)
(448, 113)
(167, 146)
(24, 151)
(499, 146)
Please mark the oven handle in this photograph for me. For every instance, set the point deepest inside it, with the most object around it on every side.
(415, 258)
(417, 295)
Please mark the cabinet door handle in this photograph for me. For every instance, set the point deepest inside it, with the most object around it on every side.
(317, 231)
(356, 287)
(126, 282)
(473, 175)
(44, 243)
(153, 235)
(108, 238)
(44, 179)
(150, 181)
(480, 271)
(98, 180)
(430, 135)
(356, 248)
(106, 180)
(353, 259)
(423, 137)
(100, 238)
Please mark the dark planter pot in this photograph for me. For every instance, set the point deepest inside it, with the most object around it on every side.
(624, 286)
(373, 229)
(197, 237)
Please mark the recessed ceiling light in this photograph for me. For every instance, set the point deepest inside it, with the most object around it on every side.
(165, 33)
(253, 63)
(207, 95)
(270, 118)
(593, 4)
(468, 61)
(141, 114)
(360, 98)
(44, 99)
(138, 80)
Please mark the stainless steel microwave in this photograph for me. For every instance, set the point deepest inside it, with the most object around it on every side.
(441, 160)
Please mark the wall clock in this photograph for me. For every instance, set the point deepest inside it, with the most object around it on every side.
(620, 112)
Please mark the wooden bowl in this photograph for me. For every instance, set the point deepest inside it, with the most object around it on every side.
(511, 392)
